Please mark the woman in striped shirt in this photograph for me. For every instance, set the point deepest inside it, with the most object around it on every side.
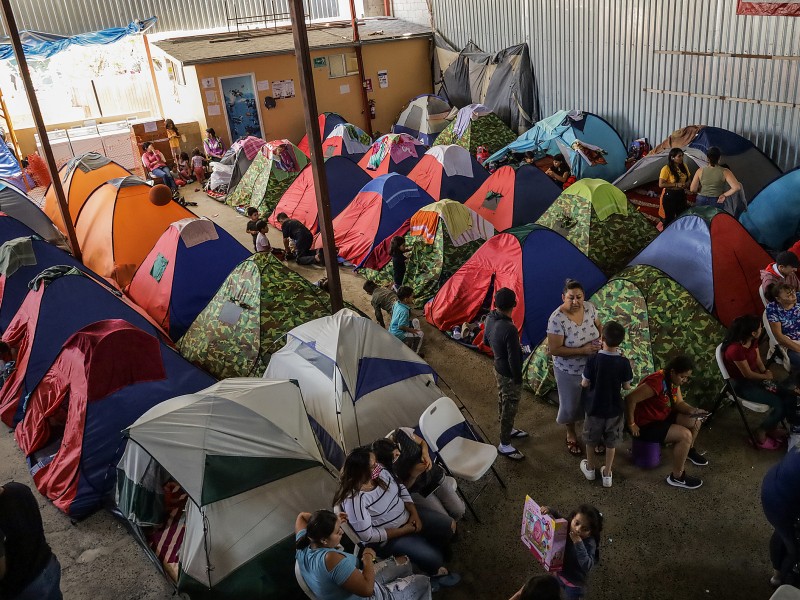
(381, 512)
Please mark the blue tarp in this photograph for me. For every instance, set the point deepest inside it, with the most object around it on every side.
(773, 217)
(39, 45)
(9, 165)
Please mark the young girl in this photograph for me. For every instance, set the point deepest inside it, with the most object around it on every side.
(582, 551)
(174, 139)
(198, 165)
(184, 167)
(751, 379)
(398, 251)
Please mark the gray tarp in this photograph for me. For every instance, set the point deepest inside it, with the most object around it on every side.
(503, 81)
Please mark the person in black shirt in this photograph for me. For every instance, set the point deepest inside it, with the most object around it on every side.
(503, 338)
(294, 230)
(28, 568)
(398, 252)
(252, 221)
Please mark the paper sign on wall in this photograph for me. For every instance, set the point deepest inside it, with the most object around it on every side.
(368, 85)
(344, 89)
(208, 82)
(213, 110)
(283, 88)
(151, 127)
(383, 79)
(211, 96)
(262, 86)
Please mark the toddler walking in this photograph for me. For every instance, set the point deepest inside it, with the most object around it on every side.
(198, 165)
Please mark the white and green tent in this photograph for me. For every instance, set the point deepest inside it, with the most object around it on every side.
(244, 452)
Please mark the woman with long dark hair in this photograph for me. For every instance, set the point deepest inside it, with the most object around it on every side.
(673, 181)
(381, 512)
(714, 183)
(657, 413)
(335, 575)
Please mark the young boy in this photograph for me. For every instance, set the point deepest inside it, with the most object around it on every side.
(382, 299)
(402, 326)
(262, 243)
(605, 375)
(252, 221)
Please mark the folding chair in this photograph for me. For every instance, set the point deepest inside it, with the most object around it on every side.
(776, 352)
(729, 393)
(350, 533)
(302, 582)
(763, 296)
(460, 449)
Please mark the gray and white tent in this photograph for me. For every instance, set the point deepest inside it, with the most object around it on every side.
(16, 203)
(245, 454)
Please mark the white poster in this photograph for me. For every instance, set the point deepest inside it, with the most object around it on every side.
(213, 110)
(344, 89)
(150, 127)
(208, 82)
(211, 96)
(283, 88)
(383, 78)
(262, 86)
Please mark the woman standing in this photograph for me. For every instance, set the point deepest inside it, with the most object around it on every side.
(573, 333)
(657, 413)
(673, 181)
(334, 575)
(713, 184)
(213, 146)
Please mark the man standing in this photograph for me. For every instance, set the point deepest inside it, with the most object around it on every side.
(503, 338)
(28, 568)
(294, 230)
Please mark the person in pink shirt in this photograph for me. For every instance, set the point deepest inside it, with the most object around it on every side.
(154, 163)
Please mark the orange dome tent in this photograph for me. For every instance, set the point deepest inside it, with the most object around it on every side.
(118, 226)
(80, 177)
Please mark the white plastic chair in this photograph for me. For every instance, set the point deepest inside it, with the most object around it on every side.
(763, 295)
(730, 393)
(776, 352)
(463, 457)
(349, 532)
(302, 582)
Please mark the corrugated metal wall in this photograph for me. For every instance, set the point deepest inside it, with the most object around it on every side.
(69, 17)
(621, 60)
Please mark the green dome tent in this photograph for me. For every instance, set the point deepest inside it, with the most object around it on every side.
(244, 453)
(598, 219)
(443, 236)
(483, 129)
(661, 320)
(258, 303)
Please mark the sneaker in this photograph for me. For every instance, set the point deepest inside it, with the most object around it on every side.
(684, 481)
(606, 478)
(590, 474)
(697, 458)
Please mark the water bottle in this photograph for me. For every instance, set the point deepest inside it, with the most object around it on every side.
(456, 332)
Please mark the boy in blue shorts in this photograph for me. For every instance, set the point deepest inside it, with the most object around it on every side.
(606, 374)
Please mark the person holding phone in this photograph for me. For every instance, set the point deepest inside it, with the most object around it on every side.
(657, 413)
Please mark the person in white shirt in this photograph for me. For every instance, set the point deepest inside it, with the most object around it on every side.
(262, 243)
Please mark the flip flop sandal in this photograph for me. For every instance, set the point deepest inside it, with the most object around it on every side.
(518, 433)
(574, 448)
(448, 580)
(599, 450)
(515, 455)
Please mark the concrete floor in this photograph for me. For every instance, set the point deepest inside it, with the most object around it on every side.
(659, 542)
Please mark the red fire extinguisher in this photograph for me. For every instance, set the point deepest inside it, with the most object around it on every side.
(372, 109)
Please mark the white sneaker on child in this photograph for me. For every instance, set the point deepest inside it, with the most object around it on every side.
(606, 478)
(590, 474)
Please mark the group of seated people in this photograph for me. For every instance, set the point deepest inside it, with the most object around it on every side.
(403, 508)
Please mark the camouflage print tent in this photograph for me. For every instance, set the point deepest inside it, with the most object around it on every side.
(258, 303)
(443, 236)
(598, 219)
(487, 131)
(661, 320)
(273, 170)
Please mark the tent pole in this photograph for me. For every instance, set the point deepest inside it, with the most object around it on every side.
(362, 79)
(303, 54)
(19, 54)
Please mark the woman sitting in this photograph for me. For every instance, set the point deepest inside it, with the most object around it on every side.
(335, 575)
(382, 514)
(658, 414)
(213, 146)
(405, 455)
(751, 379)
(783, 315)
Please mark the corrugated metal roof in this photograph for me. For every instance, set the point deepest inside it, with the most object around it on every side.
(192, 50)
(70, 17)
(650, 66)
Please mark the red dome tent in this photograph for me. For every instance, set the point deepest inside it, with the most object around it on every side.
(392, 153)
(327, 122)
(449, 172)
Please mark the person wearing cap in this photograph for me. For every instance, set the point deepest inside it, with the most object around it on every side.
(783, 270)
(502, 337)
(713, 183)
(213, 146)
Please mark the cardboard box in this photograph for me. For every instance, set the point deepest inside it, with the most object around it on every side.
(544, 536)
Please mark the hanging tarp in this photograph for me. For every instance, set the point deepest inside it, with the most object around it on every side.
(37, 44)
(503, 81)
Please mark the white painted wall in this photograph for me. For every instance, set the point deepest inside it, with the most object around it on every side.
(415, 11)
